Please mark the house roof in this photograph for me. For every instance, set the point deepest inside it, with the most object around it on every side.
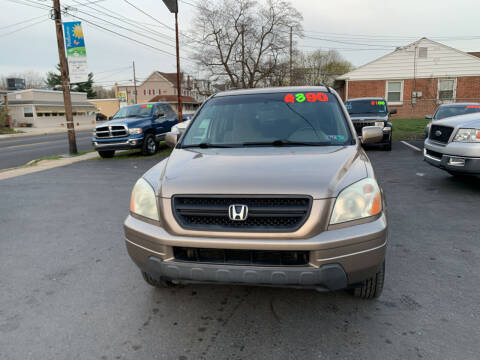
(172, 77)
(405, 63)
(474, 53)
(173, 99)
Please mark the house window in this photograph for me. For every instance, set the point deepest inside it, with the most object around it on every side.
(149, 92)
(422, 52)
(394, 91)
(144, 91)
(28, 111)
(446, 89)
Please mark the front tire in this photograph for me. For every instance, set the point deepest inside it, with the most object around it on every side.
(149, 146)
(388, 147)
(372, 287)
(106, 154)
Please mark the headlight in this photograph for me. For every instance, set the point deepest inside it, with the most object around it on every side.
(359, 200)
(380, 123)
(143, 201)
(134, 131)
(467, 135)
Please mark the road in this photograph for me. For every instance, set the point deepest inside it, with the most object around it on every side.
(17, 151)
(70, 291)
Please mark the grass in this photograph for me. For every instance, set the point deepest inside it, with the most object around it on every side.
(52, 157)
(409, 129)
(163, 151)
(9, 131)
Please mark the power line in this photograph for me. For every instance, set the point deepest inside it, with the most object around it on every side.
(158, 21)
(22, 28)
(125, 36)
(21, 22)
(127, 21)
(30, 4)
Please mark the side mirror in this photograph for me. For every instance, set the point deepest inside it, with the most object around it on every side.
(393, 111)
(429, 117)
(160, 115)
(171, 139)
(371, 134)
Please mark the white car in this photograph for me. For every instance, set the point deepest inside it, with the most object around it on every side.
(180, 127)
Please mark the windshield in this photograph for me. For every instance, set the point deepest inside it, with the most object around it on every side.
(279, 119)
(448, 111)
(366, 107)
(134, 111)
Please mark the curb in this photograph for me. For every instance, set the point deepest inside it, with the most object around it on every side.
(44, 165)
(43, 132)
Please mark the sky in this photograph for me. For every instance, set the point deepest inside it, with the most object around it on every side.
(361, 30)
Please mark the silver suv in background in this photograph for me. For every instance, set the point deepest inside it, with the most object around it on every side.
(267, 187)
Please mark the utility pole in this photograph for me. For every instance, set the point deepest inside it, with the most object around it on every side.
(179, 85)
(291, 55)
(65, 77)
(243, 55)
(135, 83)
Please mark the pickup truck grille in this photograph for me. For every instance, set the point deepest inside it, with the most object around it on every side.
(111, 131)
(440, 133)
(242, 257)
(265, 213)
(360, 124)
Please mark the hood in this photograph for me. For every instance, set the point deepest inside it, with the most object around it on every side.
(320, 172)
(466, 121)
(368, 117)
(130, 122)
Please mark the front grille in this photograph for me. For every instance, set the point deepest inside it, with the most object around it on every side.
(440, 133)
(360, 124)
(242, 257)
(265, 213)
(435, 154)
(111, 131)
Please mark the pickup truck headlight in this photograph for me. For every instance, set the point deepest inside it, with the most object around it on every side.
(143, 201)
(380, 123)
(133, 131)
(359, 200)
(467, 135)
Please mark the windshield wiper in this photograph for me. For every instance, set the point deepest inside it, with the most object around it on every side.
(280, 142)
(206, 146)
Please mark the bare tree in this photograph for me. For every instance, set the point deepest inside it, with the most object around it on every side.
(321, 67)
(243, 42)
(33, 80)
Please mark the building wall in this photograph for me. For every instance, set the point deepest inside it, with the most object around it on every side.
(107, 107)
(467, 90)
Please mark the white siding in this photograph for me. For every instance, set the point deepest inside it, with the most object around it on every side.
(441, 61)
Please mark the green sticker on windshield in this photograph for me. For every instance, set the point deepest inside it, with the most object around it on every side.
(339, 138)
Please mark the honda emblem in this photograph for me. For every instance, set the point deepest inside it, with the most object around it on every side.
(238, 212)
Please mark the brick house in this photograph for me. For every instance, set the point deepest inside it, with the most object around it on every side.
(416, 78)
(163, 84)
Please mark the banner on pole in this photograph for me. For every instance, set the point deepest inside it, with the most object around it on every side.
(76, 53)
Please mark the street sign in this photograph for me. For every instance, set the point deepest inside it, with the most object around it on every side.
(76, 53)
(172, 5)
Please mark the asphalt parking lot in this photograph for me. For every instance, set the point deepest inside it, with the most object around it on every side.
(69, 290)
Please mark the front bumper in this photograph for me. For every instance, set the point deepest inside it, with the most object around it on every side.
(454, 157)
(338, 258)
(117, 144)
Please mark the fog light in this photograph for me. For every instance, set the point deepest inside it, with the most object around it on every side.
(456, 161)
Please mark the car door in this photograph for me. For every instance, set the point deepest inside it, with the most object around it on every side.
(159, 120)
(171, 117)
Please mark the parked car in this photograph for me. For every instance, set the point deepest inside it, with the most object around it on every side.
(268, 187)
(448, 110)
(180, 127)
(372, 112)
(135, 127)
(454, 144)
